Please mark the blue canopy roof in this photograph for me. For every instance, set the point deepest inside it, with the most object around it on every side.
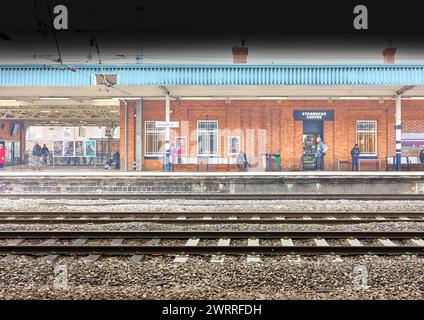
(211, 75)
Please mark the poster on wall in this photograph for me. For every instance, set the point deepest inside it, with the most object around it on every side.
(90, 148)
(79, 148)
(181, 147)
(69, 149)
(412, 142)
(233, 145)
(58, 148)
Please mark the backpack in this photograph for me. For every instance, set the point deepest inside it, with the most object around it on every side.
(324, 149)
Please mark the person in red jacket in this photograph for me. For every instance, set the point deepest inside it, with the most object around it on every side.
(2, 155)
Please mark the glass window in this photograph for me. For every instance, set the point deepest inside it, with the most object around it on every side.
(154, 139)
(366, 137)
(207, 138)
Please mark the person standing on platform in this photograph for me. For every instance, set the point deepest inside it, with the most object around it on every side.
(422, 156)
(37, 153)
(173, 153)
(240, 161)
(2, 155)
(355, 152)
(166, 157)
(319, 154)
(45, 153)
(245, 161)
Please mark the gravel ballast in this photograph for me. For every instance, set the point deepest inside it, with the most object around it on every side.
(158, 277)
(274, 278)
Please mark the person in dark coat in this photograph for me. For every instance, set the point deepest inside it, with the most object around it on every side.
(117, 159)
(355, 152)
(45, 154)
(37, 153)
(422, 156)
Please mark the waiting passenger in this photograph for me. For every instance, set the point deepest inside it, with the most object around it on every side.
(320, 153)
(355, 152)
(45, 154)
(245, 162)
(36, 153)
(422, 156)
(173, 154)
(240, 161)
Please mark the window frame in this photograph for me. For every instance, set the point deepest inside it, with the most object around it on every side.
(146, 132)
(197, 139)
(375, 153)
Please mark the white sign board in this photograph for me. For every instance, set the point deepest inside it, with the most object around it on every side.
(166, 124)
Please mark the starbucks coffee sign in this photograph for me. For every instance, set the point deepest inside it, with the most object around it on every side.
(314, 115)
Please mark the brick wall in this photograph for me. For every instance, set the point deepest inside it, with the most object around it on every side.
(6, 131)
(247, 118)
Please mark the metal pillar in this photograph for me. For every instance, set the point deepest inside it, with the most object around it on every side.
(138, 133)
(167, 116)
(125, 135)
(398, 129)
(166, 158)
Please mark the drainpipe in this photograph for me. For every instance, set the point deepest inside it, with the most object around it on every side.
(398, 129)
(125, 135)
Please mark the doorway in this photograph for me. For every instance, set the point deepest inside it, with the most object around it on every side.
(311, 130)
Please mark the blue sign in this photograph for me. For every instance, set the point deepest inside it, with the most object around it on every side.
(314, 115)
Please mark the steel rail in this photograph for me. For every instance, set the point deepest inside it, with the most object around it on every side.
(195, 214)
(210, 234)
(201, 250)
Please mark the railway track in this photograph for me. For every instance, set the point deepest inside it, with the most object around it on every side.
(55, 243)
(215, 196)
(73, 217)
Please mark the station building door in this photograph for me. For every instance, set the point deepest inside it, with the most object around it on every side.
(311, 130)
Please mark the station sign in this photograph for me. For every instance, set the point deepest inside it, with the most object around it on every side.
(314, 115)
(167, 124)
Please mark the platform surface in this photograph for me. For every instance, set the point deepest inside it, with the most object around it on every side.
(110, 173)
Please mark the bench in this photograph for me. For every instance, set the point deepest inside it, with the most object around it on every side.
(408, 161)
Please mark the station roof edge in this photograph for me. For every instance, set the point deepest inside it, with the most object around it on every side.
(235, 66)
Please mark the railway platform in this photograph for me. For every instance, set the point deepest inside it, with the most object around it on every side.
(101, 182)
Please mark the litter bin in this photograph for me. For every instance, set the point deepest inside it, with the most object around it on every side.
(277, 158)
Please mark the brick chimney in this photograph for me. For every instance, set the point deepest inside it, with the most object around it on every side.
(389, 54)
(240, 53)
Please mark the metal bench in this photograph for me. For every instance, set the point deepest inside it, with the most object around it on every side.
(408, 161)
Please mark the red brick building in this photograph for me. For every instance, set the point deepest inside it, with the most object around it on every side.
(269, 126)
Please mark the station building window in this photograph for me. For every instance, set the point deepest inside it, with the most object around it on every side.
(207, 138)
(154, 139)
(366, 137)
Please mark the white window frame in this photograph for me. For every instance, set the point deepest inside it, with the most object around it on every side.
(150, 131)
(229, 144)
(197, 139)
(375, 154)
